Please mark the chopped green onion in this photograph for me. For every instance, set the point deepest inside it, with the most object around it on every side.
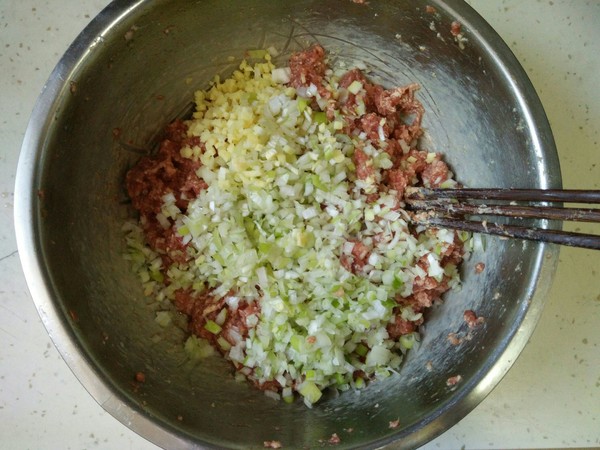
(463, 235)
(288, 395)
(361, 350)
(310, 392)
(183, 230)
(212, 327)
(320, 117)
(223, 343)
(157, 276)
(302, 103)
(296, 342)
(407, 341)
(311, 375)
(355, 87)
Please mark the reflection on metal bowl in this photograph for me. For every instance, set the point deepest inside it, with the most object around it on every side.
(133, 70)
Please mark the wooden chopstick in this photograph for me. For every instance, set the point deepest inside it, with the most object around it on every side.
(447, 208)
(590, 241)
(534, 212)
(533, 195)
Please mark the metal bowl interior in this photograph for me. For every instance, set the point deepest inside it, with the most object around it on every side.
(132, 71)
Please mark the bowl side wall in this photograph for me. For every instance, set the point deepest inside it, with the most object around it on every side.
(135, 76)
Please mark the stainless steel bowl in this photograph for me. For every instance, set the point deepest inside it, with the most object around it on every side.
(133, 70)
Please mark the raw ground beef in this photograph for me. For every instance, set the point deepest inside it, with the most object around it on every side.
(155, 176)
(389, 118)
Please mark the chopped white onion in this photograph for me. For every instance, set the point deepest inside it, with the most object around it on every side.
(281, 220)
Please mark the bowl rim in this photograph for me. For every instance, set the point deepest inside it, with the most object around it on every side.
(27, 217)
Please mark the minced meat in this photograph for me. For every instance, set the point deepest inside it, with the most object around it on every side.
(234, 272)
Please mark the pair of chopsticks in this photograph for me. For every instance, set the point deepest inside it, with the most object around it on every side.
(449, 208)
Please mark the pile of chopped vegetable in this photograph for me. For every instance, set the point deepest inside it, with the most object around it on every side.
(292, 254)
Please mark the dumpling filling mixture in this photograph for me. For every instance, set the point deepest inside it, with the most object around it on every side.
(273, 219)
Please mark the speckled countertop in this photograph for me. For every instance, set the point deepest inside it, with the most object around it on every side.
(550, 398)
